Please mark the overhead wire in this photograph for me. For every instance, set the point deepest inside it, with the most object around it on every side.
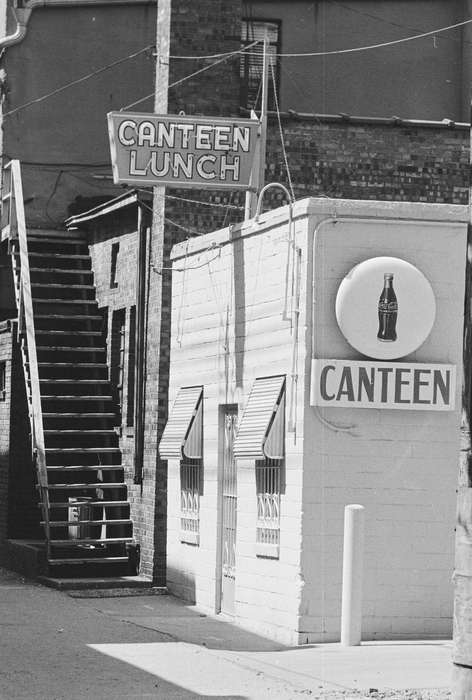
(369, 47)
(82, 79)
(192, 75)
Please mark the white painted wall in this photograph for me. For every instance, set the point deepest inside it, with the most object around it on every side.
(400, 465)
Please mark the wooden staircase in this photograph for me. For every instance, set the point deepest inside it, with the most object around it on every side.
(83, 497)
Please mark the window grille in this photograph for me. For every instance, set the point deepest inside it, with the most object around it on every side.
(252, 61)
(268, 488)
(191, 471)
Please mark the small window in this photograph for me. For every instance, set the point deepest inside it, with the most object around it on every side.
(190, 490)
(268, 489)
(115, 249)
(117, 362)
(3, 381)
(252, 62)
(131, 367)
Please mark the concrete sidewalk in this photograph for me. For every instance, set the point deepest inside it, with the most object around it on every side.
(211, 655)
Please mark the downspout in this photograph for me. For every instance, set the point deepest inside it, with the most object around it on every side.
(23, 14)
(140, 340)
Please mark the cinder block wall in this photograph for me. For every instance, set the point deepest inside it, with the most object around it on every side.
(401, 465)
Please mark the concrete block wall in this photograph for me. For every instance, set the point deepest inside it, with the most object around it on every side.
(227, 329)
(401, 465)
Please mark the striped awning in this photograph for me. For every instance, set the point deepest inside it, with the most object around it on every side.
(261, 432)
(182, 436)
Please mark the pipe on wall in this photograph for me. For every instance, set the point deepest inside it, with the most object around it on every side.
(23, 14)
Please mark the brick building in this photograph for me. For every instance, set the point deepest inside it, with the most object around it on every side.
(62, 144)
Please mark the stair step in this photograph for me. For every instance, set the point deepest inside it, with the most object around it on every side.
(84, 467)
(65, 397)
(59, 256)
(67, 317)
(87, 560)
(60, 270)
(54, 285)
(74, 543)
(61, 240)
(66, 523)
(97, 334)
(69, 348)
(85, 302)
(97, 485)
(78, 416)
(90, 365)
(102, 504)
(80, 450)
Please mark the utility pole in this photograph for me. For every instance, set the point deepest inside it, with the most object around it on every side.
(462, 652)
(258, 170)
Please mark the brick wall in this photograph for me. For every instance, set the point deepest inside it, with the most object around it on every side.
(5, 357)
(357, 159)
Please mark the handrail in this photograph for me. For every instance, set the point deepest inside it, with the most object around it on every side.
(26, 320)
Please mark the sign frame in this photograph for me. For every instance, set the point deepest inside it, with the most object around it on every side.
(247, 158)
(349, 392)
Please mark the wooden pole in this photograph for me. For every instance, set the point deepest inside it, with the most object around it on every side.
(462, 652)
(258, 169)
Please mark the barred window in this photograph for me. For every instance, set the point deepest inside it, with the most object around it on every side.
(268, 488)
(252, 61)
(191, 471)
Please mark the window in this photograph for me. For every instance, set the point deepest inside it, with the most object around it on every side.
(182, 440)
(261, 436)
(252, 61)
(3, 381)
(117, 360)
(268, 489)
(115, 249)
(131, 367)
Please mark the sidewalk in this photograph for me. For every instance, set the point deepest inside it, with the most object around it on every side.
(210, 655)
(57, 647)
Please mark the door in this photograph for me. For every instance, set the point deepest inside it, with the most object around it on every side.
(228, 510)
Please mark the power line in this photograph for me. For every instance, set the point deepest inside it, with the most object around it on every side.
(359, 49)
(187, 77)
(79, 80)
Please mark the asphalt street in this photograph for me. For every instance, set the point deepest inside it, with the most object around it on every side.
(57, 647)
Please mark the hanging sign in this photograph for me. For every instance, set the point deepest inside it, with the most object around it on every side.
(198, 152)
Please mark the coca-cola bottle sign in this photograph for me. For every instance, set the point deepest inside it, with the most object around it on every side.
(391, 325)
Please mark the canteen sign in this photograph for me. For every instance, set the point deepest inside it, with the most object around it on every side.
(352, 384)
(200, 152)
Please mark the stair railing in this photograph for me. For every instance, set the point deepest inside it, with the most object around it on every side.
(14, 229)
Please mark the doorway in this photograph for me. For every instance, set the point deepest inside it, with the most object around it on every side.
(228, 505)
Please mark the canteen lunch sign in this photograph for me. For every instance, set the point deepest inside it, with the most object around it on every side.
(201, 152)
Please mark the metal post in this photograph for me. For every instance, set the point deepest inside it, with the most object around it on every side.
(351, 615)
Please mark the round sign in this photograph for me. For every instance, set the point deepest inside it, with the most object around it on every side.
(385, 308)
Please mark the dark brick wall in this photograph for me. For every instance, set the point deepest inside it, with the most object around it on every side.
(5, 356)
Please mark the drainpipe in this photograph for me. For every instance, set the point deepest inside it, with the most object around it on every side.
(23, 14)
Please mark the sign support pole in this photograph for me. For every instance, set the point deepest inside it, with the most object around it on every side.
(156, 253)
(258, 170)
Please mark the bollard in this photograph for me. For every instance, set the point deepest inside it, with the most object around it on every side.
(353, 556)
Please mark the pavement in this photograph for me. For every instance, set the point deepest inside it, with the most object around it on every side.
(54, 646)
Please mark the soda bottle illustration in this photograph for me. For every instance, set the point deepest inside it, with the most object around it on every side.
(388, 311)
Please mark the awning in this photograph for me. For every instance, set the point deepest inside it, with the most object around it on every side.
(182, 437)
(261, 432)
